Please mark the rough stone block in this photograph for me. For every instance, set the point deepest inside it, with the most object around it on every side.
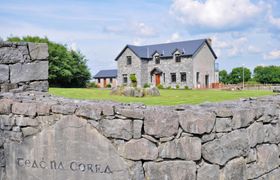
(130, 112)
(243, 117)
(272, 133)
(268, 159)
(38, 51)
(188, 148)
(208, 172)
(27, 131)
(256, 134)
(64, 109)
(137, 128)
(5, 106)
(197, 122)
(235, 170)
(179, 170)
(160, 123)
(28, 109)
(223, 124)
(117, 128)
(4, 73)
(10, 55)
(43, 108)
(138, 149)
(26, 121)
(42, 86)
(230, 145)
(29, 72)
(6, 120)
(89, 111)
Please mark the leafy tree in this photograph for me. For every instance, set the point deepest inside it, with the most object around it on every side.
(133, 80)
(268, 74)
(236, 75)
(223, 76)
(67, 68)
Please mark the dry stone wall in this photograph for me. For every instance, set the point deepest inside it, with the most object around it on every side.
(23, 67)
(46, 137)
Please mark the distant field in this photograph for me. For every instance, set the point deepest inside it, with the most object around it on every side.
(168, 97)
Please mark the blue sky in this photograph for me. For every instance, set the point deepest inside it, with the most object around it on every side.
(243, 31)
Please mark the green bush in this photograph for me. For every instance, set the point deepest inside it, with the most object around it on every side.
(146, 85)
(177, 86)
(133, 80)
(169, 87)
(108, 86)
(91, 85)
(160, 86)
(187, 88)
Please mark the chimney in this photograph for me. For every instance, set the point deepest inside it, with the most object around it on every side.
(209, 40)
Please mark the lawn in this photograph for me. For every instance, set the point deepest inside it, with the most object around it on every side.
(168, 97)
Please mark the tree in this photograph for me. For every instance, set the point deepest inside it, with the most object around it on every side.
(236, 75)
(223, 76)
(268, 74)
(67, 68)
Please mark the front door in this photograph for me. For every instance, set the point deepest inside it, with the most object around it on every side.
(207, 81)
(157, 79)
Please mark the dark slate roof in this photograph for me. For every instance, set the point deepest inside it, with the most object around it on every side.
(188, 48)
(112, 73)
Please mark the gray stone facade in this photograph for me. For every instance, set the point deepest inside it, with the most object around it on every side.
(201, 64)
(45, 137)
(23, 67)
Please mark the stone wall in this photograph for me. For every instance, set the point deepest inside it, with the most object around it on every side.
(23, 67)
(45, 137)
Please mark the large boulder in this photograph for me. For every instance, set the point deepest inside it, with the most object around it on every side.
(152, 91)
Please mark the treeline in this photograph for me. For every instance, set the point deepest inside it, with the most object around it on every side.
(67, 68)
(261, 74)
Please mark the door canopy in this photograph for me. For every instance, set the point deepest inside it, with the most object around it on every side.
(156, 71)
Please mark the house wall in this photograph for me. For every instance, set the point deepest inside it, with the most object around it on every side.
(101, 84)
(204, 63)
(134, 68)
(168, 66)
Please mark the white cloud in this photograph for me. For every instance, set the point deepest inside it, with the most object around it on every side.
(253, 49)
(141, 29)
(274, 54)
(216, 14)
(274, 21)
(175, 37)
(138, 42)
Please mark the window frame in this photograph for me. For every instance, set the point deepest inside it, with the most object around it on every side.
(157, 59)
(172, 75)
(128, 60)
(177, 58)
(183, 74)
(125, 79)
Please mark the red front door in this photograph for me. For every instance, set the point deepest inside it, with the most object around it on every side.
(157, 79)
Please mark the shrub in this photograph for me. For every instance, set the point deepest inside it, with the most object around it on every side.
(146, 85)
(169, 87)
(177, 86)
(108, 86)
(187, 88)
(133, 80)
(160, 86)
(91, 85)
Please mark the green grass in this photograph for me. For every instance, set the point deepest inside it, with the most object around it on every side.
(168, 97)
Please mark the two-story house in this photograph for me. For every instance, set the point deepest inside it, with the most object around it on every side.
(186, 63)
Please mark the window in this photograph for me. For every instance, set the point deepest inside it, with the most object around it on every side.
(183, 77)
(124, 78)
(98, 80)
(111, 80)
(163, 77)
(128, 60)
(157, 59)
(177, 58)
(173, 77)
(197, 77)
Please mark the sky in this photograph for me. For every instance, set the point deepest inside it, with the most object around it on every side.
(243, 32)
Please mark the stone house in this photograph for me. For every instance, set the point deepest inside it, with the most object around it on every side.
(105, 77)
(186, 63)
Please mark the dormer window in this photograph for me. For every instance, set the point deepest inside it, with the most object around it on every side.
(177, 58)
(128, 60)
(157, 59)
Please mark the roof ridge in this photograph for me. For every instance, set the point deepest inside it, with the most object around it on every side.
(167, 43)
